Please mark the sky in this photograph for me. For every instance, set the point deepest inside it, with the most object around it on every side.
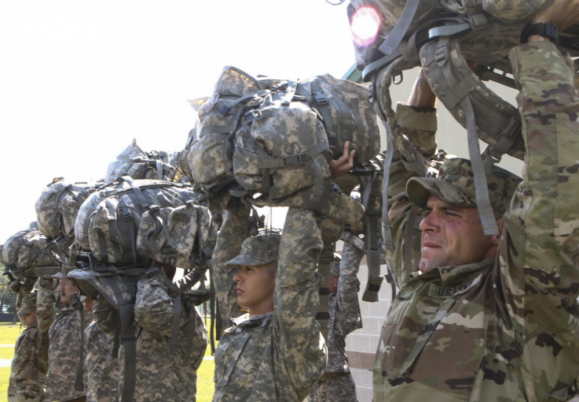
(80, 79)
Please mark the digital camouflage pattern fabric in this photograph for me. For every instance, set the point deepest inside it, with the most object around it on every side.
(161, 375)
(280, 355)
(337, 384)
(505, 329)
(102, 365)
(30, 362)
(64, 331)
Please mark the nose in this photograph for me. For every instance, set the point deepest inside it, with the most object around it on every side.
(429, 223)
(237, 277)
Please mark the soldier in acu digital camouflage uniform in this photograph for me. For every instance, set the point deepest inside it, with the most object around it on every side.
(276, 352)
(65, 339)
(30, 362)
(161, 374)
(101, 363)
(491, 318)
(337, 384)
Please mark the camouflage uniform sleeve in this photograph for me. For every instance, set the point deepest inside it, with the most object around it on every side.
(348, 284)
(27, 379)
(233, 232)
(45, 302)
(543, 220)
(419, 127)
(24, 290)
(300, 351)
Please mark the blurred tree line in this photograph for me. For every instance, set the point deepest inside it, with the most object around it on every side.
(7, 296)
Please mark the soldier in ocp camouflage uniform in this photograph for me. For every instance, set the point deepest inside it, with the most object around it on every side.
(65, 339)
(492, 318)
(337, 384)
(276, 352)
(30, 362)
(162, 375)
(101, 364)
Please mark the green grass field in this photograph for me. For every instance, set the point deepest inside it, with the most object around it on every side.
(9, 334)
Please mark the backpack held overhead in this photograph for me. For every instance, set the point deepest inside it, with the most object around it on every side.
(131, 222)
(57, 207)
(276, 137)
(138, 164)
(25, 252)
(441, 36)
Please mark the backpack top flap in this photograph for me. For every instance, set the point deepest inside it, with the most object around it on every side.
(27, 249)
(108, 222)
(58, 205)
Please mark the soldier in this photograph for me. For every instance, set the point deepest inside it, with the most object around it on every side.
(64, 353)
(101, 361)
(275, 352)
(161, 373)
(337, 383)
(30, 362)
(491, 318)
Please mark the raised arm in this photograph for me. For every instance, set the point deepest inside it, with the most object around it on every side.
(348, 284)
(543, 220)
(419, 122)
(45, 302)
(300, 352)
(233, 232)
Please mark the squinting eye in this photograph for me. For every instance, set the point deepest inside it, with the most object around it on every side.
(365, 25)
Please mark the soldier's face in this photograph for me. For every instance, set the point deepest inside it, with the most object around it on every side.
(29, 320)
(255, 286)
(453, 236)
(69, 288)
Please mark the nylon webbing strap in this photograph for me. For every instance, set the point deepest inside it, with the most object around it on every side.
(483, 202)
(468, 84)
(401, 27)
(386, 225)
(175, 323)
(324, 263)
(408, 240)
(126, 312)
(424, 337)
(79, 378)
(128, 218)
(159, 170)
(373, 257)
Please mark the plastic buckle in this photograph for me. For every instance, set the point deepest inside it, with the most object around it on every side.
(489, 160)
(478, 21)
(154, 207)
(297, 159)
(320, 98)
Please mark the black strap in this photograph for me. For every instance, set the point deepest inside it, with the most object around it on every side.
(176, 323)
(373, 257)
(324, 264)
(126, 312)
(79, 377)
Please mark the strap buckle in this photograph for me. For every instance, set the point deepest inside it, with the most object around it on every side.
(320, 98)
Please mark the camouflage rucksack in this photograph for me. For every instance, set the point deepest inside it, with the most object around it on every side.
(440, 36)
(27, 252)
(57, 207)
(138, 164)
(130, 222)
(276, 137)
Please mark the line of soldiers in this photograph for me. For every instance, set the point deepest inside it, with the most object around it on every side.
(477, 317)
